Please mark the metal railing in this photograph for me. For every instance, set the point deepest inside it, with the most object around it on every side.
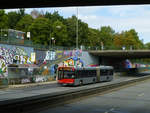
(28, 43)
(113, 48)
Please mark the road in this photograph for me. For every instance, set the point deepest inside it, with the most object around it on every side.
(133, 99)
(53, 88)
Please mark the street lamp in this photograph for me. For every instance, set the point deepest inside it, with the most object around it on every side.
(52, 41)
(52, 38)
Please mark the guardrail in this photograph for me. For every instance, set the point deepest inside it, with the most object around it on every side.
(31, 104)
(112, 48)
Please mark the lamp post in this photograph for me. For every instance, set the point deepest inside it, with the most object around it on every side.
(52, 38)
(52, 41)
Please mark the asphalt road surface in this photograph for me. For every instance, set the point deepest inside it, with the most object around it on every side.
(14, 93)
(133, 99)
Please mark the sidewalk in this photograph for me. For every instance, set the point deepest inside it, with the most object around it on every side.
(29, 85)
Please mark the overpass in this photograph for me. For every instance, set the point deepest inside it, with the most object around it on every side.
(64, 3)
(116, 58)
(123, 54)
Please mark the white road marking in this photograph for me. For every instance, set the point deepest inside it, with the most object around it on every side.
(142, 94)
(112, 109)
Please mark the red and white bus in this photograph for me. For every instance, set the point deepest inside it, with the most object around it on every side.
(84, 75)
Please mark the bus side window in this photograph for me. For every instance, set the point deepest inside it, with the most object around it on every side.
(103, 72)
(83, 73)
(78, 74)
(94, 73)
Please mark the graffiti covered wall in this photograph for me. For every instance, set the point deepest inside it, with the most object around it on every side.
(10, 54)
(40, 56)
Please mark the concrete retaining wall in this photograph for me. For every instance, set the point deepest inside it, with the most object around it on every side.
(89, 59)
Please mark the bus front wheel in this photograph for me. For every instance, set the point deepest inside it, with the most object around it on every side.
(81, 83)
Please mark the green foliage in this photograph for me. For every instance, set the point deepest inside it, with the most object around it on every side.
(24, 23)
(40, 31)
(44, 26)
(54, 17)
(13, 19)
(129, 39)
(107, 36)
(93, 38)
(71, 28)
(3, 20)
(82, 31)
(147, 45)
(21, 12)
(60, 33)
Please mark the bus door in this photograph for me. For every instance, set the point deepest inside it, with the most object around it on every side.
(103, 73)
(60, 74)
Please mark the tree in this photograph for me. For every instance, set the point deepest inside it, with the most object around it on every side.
(21, 12)
(129, 39)
(40, 31)
(71, 29)
(118, 40)
(13, 19)
(107, 36)
(24, 23)
(147, 45)
(60, 33)
(82, 31)
(54, 17)
(93, 38)
(3, 20)
(138, 44)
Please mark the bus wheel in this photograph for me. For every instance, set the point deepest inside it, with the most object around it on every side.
(94, 81)
(81, 83)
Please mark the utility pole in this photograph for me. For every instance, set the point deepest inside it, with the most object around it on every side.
(77, 30)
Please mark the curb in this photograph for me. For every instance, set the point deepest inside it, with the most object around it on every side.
(29, 85)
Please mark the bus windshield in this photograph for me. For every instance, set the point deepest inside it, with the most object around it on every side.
(66, 74)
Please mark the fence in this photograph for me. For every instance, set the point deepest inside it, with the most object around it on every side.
(28, 43)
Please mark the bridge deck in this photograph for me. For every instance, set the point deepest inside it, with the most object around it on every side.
(122, 53)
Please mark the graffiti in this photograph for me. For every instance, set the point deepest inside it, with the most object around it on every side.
(50, 55)
(59, 54)
(75, 61)
(40, 79)
(12, 54)
(25, 80)
(77, 53)
(20, 51)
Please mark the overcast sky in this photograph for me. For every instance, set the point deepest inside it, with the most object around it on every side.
(118, 17)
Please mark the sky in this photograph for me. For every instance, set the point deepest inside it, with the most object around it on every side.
(119, 18)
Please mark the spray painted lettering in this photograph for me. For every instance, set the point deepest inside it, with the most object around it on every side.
(12, 54)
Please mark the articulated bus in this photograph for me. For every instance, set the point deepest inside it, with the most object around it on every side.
(84, 75)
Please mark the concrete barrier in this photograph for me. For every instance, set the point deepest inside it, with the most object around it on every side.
(31, 104)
